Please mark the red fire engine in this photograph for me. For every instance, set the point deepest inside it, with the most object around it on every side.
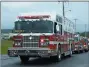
(80, 44)
(42, 36)
(84, 41)
(88, 43)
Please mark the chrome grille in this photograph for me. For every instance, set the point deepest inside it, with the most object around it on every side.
(33, 42)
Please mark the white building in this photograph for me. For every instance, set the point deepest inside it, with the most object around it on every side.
(5, 36)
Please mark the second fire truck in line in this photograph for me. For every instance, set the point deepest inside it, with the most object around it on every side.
(80, 43)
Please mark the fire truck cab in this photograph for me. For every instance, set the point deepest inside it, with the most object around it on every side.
(42, 35)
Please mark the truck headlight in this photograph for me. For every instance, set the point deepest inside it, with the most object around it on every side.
(84, 45)
(44, 42)
(17, 44)
(75, 49)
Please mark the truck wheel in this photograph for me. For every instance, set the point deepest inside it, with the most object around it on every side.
(86, 50)
(57, 57)
(78, 51)
(81, 51)
(24, 59)
(70, 54)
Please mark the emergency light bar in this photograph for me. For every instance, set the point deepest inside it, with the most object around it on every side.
(34, 17)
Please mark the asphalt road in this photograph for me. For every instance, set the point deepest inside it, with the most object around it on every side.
(77, 60)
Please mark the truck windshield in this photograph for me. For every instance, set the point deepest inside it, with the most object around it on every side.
(76, 38)
(41, 26)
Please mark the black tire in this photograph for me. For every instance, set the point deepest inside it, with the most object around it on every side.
(24, 59)
(57, 58)
(78, 52)
(86, 50)
(70, 55)
(81, 51)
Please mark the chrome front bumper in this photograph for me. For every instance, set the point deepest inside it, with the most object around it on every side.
(33, 52)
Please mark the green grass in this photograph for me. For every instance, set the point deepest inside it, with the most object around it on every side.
(4, 46)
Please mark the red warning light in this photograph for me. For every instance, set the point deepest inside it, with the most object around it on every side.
(34, 17)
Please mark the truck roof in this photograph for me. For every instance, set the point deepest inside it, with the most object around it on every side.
(51, 14)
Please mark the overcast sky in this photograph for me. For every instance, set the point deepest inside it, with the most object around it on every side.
(10, 11)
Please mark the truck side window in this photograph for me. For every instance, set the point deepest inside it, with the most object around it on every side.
(60, 29)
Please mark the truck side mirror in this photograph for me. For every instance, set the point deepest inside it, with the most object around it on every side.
(55, 27)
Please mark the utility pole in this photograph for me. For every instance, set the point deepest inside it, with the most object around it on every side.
(63, 9)
(88, 19)
(63, 14)
(85, 30)
(75, 25)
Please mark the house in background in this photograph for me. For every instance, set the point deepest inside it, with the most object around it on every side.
(5, 36)
(5, 33)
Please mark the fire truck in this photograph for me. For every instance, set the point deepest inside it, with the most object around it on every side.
(80, 44)
(42, 35)
(88, 44)
(85, 43)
